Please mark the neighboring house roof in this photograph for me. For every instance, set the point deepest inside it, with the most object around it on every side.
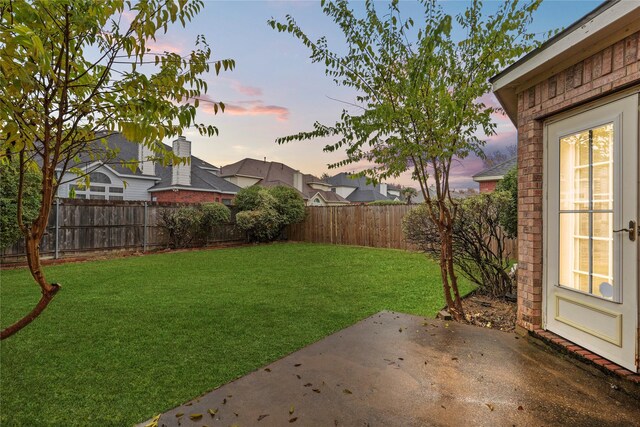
(330, 197)
(592, 33)
(202, 177)
(276, 173)
(363, 192)
(366, 195)
(496, 172)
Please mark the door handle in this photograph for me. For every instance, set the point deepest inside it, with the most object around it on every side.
(632, 230)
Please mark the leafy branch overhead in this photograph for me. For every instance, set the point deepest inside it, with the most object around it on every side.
(419, 88)
(75, 72)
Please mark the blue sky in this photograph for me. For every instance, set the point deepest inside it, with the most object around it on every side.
(275, 90)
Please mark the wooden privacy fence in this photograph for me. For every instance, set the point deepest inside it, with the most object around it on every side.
(360, 225)
(84, 226)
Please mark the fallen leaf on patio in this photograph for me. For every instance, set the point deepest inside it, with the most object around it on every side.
(188, 404)
(261, 417)
(195, 416)
(308, 385)
(267, 369)
(229, 395)
(212, 412)
(236, 414)
(179, 414)
(400, 330)
(299, 377)
(520, 408)
(297, 364)
(347, 391)
(490, 406)
(400, 358)
(154, 421)
(454, 358)
(316, 390)
(224, 401)
(293, 420)
(442, 406)
(291, 410)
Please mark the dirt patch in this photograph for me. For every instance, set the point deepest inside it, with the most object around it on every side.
(489, 312)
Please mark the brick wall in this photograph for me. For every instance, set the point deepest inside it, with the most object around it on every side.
(188, 196)
(487, 186)
(612, 69)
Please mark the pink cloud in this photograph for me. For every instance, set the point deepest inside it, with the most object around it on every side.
(246, 108)
(160, 47)
(257, 108)
(246, 90)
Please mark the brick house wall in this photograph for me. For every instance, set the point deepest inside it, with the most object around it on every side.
(488, 186)
(614, 68)
(189, 196)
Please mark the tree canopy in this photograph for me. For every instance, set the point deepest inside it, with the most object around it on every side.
(419, 104)
(76, 71)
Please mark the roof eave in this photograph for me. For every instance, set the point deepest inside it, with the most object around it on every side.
(610, 22)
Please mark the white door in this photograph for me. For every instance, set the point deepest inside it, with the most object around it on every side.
(590, 261)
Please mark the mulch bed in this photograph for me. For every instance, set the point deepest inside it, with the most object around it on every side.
(488, 312)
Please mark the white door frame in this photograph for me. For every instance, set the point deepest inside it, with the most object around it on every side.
(608, 328)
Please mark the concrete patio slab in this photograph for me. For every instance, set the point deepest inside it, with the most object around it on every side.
(400, 370)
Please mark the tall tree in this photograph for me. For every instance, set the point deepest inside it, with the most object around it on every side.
(409, 193)
(76, 71)
(418, 87)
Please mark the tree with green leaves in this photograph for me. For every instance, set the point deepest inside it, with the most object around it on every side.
(75, 72)
(509, 216)
(409, 193)
(418, 105)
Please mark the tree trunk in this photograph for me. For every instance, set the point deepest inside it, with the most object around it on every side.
(32, 243)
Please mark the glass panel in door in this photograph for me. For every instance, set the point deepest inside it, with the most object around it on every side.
(586, 212)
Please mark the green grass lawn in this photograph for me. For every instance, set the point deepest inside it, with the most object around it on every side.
(128, 338)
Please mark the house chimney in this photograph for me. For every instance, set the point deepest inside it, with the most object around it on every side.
(297, 181)
(383, 189)
(182, 172)
(145, 160)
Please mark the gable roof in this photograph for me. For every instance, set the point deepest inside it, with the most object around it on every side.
(202, 177)
(609, 22)
(275, 173)
(364, 192)
(496, 172)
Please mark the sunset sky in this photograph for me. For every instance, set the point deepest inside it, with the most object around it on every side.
(275, 90)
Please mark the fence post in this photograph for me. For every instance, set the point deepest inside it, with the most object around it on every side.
(57, 252)
(144, 230)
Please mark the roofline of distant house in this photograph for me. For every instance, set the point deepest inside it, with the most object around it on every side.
(91, 165)
(176, 187)
(487, 178)
(241, 175)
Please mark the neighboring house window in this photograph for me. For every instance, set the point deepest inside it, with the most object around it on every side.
(316, 201)
(101, 188)
(226, 202)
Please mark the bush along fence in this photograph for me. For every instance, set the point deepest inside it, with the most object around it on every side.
(360, 225)
(81, 227)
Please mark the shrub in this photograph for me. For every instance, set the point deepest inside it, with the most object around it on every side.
(182, 224)
(479, 250)
(9, 181)
(214, 214)
(248, 199)
(263, 213)
(509, 216)
(191, 225)
(289, 204)
(386, 203)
